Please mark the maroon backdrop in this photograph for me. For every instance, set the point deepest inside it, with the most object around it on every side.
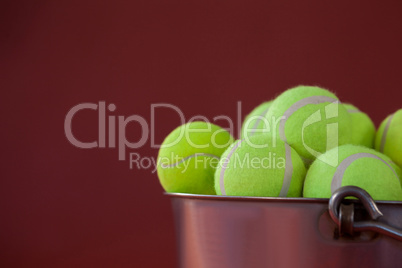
(62, 206)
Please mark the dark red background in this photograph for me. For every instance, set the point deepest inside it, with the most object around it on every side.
(62, 206)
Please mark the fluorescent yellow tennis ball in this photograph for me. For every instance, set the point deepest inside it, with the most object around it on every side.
(262, 166)
(389, 137)
(255, 122)
(189, 155)
(311, 120)
(397, 169)
(353, 165)
(363, 129)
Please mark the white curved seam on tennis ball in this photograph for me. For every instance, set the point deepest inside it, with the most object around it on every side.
(287, 177)
(340, 170)
(288, 157)
(189, 157)
(385, 132)
(258, 121)
(224, 166)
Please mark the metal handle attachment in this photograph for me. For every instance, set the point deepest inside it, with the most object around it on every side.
(343, 215)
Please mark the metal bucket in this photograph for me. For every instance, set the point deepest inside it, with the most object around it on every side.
(224, 231)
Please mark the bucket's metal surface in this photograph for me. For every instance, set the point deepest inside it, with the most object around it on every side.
(221, 231)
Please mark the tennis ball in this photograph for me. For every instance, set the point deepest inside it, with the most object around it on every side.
(363, 129)
(397, 169)
(255, 122)
(189, 155)
(389, 137)
(311, 120)
(261, 166)
(353, 165)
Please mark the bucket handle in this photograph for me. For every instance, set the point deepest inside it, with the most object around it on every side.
(343, 215)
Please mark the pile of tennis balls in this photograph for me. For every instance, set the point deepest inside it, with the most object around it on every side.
(304, 143)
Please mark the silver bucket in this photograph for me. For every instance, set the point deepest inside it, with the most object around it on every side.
(223, 231)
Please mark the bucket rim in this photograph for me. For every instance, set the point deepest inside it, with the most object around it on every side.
(264, 199)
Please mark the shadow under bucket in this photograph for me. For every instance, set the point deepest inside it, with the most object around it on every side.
(225, 231)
